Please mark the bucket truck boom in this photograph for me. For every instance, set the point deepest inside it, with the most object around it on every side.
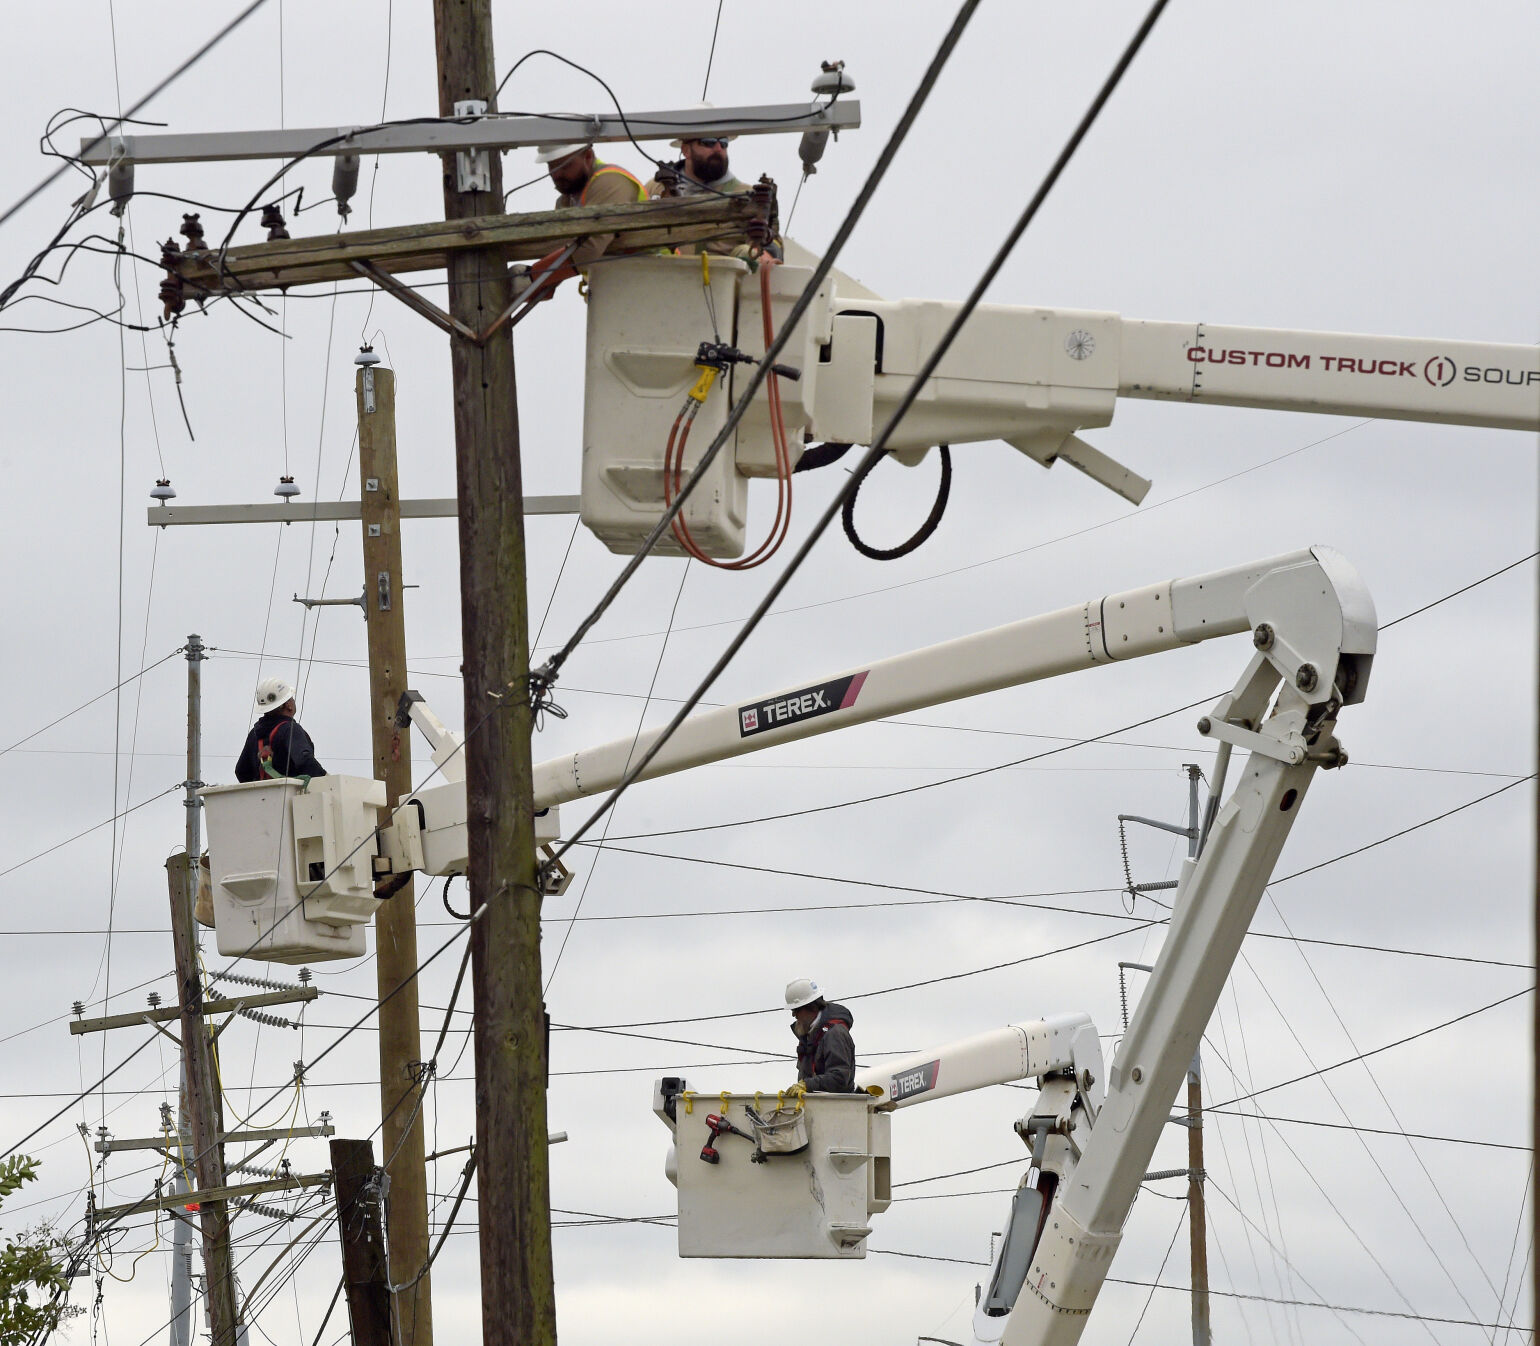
(1033, 377)
(1313, 632)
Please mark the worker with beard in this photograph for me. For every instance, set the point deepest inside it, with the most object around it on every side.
(704, 170)
(583, 179)
(826, 1053)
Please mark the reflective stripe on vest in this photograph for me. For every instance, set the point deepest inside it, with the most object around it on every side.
(641, 191)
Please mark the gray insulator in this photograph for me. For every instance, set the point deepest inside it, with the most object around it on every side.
(811, 149)
(244, 980)
(120, 184)
(271, 1020)
(344, 181)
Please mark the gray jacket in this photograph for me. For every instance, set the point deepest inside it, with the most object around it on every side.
(826, 1057)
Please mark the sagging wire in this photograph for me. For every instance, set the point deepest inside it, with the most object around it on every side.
(584, 122)
(547, 673)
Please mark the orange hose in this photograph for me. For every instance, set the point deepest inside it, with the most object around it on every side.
(673, 465)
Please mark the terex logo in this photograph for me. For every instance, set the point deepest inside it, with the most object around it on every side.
(919, 1079)
(807, 704)
(1439, 371)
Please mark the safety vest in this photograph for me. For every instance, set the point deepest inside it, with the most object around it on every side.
(641, 192)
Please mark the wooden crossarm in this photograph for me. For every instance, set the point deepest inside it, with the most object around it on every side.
(664, 223)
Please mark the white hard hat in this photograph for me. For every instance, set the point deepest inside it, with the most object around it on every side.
(703, 107)
(802, 992)
(273, 692)
(554, 154)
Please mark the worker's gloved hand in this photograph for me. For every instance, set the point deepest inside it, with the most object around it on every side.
(798, 1090)
(548, 283)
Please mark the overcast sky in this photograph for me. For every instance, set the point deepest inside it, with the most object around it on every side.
(1324, 166)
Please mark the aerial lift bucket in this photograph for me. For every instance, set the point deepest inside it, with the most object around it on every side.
(291, 866)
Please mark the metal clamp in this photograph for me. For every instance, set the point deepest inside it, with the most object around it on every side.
(1291, 753)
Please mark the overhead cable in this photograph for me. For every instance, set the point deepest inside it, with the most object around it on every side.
(937, 896)
(911, 393)
(98, 697)
(1373, 1051)
(1426, 822)
(165, 83)
(759, 372)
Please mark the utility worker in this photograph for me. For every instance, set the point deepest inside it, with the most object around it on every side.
(704, 170)
(276, 747)
(584, 180)
(826, 1053)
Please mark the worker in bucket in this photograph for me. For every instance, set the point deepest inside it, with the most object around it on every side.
(276, 747)
(826, 1053)
(704, 171)
(583, 179)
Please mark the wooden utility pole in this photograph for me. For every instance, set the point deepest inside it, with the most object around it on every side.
(518, 1299)
(395, 925)
(1197, 1220)
(359, 1226)
(202, 1101)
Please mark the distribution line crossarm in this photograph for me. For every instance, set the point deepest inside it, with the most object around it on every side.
(476, 133)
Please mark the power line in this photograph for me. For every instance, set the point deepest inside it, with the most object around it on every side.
(759, 372)
(95, 827)
(711, 55)
(1364, 1130)
(1407, 616)
(1437, 817)
(937, 896)
(98, 697)
(911, 393)
(1373, 1051)
(129, 112)
(1314, 1304)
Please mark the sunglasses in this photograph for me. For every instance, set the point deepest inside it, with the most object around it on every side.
(720, 143)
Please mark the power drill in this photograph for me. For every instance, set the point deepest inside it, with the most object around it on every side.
(719, 1126)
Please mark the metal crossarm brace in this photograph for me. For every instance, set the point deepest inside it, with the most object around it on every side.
(461, 133)
(162, 516)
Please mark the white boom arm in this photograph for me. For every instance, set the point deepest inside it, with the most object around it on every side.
(1313, 596)
(1313, 627)
(1065, 1042)
(1034, 377)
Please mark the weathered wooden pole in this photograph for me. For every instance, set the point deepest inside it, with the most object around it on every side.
(518, 1300)
(395, 926)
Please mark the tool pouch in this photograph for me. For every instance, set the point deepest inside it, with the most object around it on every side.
(784, 1131)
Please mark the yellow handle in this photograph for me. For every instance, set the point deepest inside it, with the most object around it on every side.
(708, 376)
(689, 1100)
(725, 1095)
(705, 268)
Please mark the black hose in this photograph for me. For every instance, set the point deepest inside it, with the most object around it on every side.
(820, 455)
(921, 535)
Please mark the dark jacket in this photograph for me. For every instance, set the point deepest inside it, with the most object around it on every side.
(826, 1057)
(293, 752)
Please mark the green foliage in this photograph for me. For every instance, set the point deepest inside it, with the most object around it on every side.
(33, 1286)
